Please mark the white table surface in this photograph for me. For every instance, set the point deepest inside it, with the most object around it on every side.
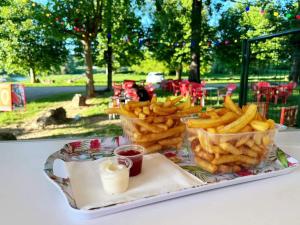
(28, 197)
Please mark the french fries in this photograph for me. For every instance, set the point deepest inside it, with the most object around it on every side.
(228, 139)
(156, 125)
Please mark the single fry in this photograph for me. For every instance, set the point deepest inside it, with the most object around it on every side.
(225, 159)
(153, 148)
(206, 165)
(211, 130)
(170, 122)
(150, 127)
(137, 111)
(242, 140)
(159, 119)
(271, 123)
(213, 115)
(191, 110)
(266, 140)
(175, 100)
(257, 137)
(149, 119)
(142, 116)
(229, 104)
(229, 169)
(162, 125)
(209, 123)
(146, 110)
(134, 104)
(242, 121)
(162, 135)
(168, 110)
(230, 148)
(256, 148)
(168, 103)
(205, 155)
(154, 99)
(250, 143)
(248, 160)
(248, 152)
(247, 128)
(113, 111)
(170, 141)
(125, 112)
(221, 111)
(260, 125)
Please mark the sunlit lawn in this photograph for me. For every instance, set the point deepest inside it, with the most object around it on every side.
(101, 79)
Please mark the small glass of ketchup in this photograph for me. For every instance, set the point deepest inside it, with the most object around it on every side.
(135, 154)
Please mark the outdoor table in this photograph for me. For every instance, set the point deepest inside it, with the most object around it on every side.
(208, 90)
(28, 197)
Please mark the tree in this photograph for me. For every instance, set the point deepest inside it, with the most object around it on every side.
(171, 35)
(295, 41)
(119, 41)
(25, 45)
(229, 32)
(80, 20)
(236, 23)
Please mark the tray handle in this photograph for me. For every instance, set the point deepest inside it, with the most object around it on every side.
(48, 168)
(63, 183)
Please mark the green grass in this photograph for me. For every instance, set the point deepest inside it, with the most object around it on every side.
(101, 79)
(33, 108)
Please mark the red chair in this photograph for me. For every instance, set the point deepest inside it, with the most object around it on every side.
(117, 88)
(184, 88)
(224, 91)
(131, 94)
(166, 85)
(176, 87)
(197, 92)
(150, 90)
(230, 88)
(284, 91)
(128, 84)
(263, 89)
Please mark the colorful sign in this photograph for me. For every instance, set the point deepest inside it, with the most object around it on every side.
(12, 97)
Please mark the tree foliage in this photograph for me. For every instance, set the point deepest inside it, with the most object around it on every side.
(123, 27)
(171, 35)
(25, 44)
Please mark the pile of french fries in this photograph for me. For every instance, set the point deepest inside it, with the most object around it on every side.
(155, 125)
(228, 139)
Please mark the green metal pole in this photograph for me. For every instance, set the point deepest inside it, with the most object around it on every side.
(245, 73)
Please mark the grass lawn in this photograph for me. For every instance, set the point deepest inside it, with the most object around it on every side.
(101, 79)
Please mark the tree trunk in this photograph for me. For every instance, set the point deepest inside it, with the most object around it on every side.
(109, 64)
(196, 36)
(295, 70)
(179, 72)
(109, 48)
(89, 67)
(32, 75)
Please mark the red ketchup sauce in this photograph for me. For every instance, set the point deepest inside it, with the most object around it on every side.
(137, 160)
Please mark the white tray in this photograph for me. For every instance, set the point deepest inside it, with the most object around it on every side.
(89, 150)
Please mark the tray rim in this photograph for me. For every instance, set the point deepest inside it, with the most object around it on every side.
(99, 212)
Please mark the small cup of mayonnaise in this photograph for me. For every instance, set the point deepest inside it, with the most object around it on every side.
(114, 173)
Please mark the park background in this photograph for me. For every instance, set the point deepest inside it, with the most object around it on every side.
(91, 44)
